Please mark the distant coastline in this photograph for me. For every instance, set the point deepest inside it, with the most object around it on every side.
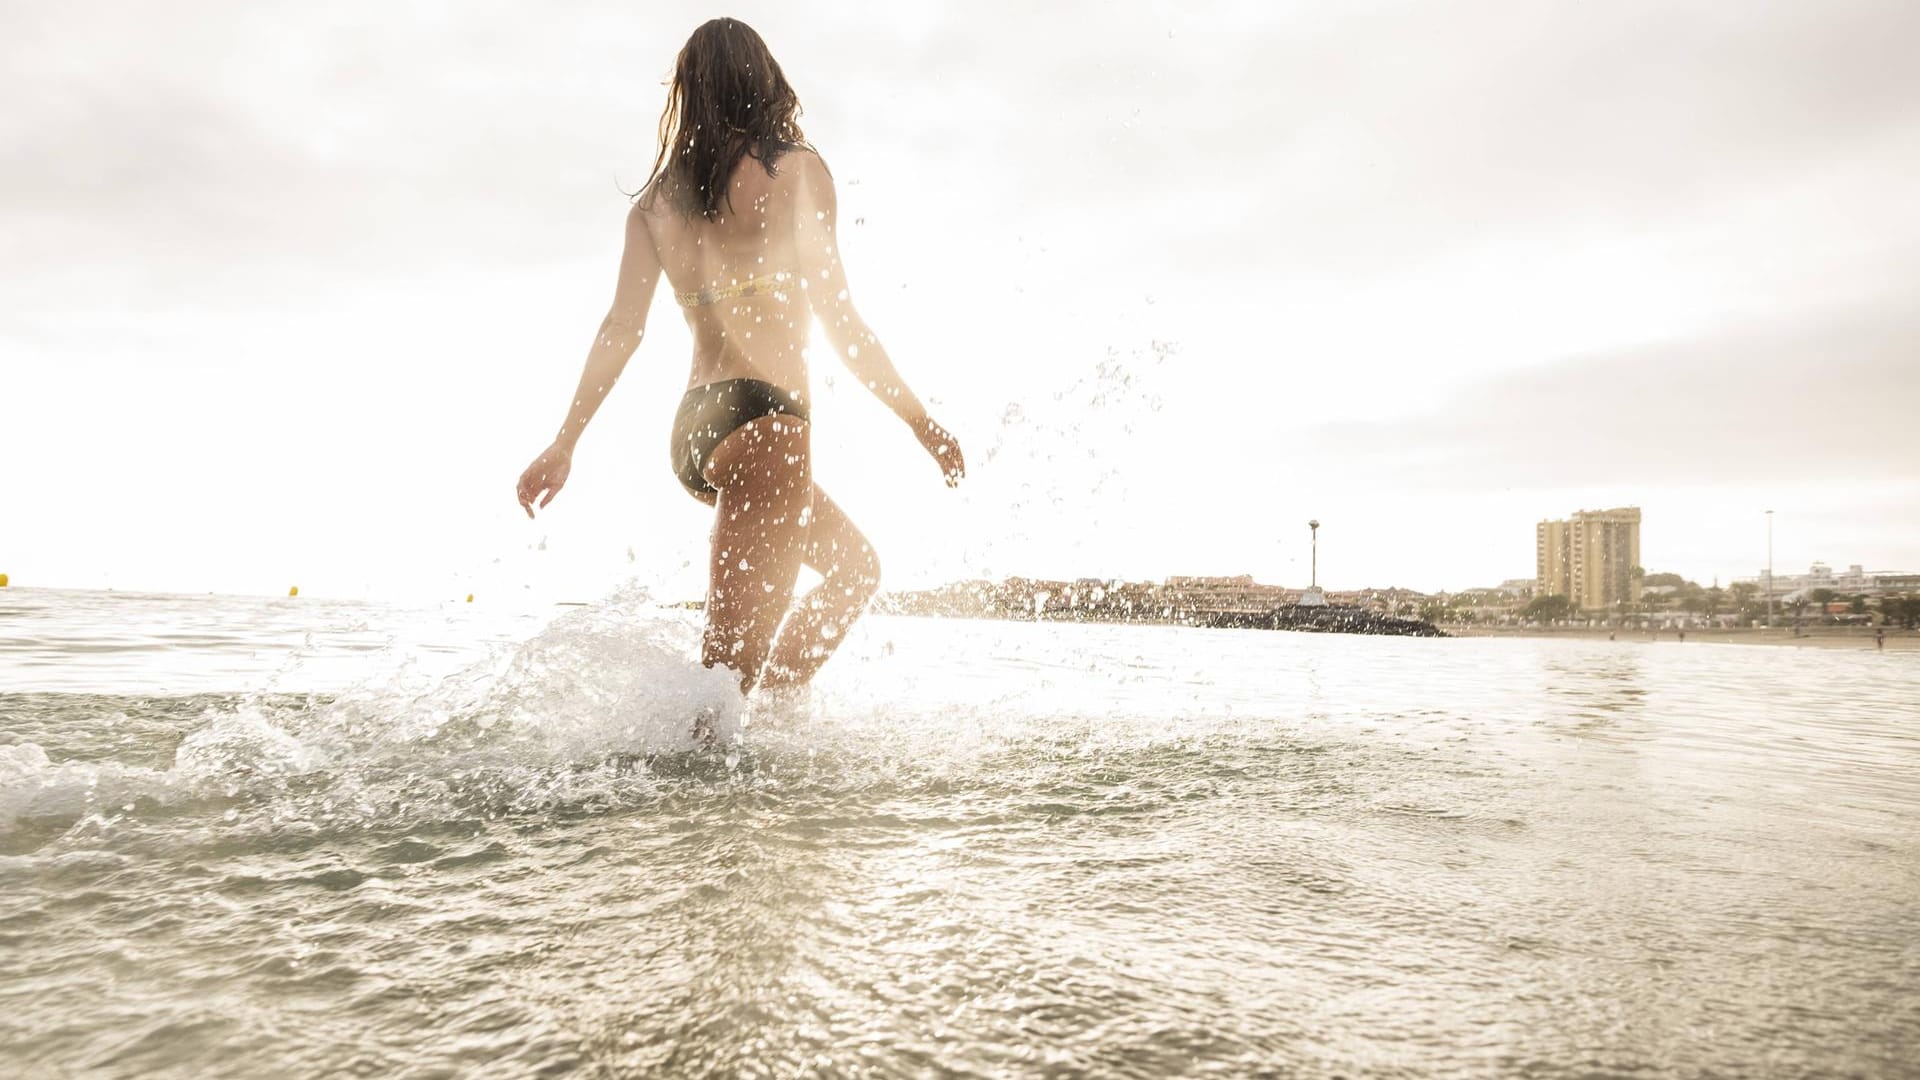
(1210, 602)
(1818, 637)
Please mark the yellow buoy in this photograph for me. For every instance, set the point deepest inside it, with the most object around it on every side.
(469, 595)
(295, 591)
(3, 581)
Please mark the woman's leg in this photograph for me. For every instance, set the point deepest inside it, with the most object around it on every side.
(760, 529)
(850, 573)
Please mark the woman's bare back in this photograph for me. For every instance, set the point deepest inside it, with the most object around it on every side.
(743, 281)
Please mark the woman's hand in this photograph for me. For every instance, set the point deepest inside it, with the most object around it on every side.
(943, 447)
(548, 473)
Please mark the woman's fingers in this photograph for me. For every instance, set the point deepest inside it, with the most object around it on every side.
(524, 491)
(952, 464)
(542, 477)
(945, 450)
(545, 477)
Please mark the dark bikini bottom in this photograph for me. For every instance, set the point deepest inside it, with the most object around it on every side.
(712, 412)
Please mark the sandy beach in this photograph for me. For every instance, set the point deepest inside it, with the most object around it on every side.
(1821, 637)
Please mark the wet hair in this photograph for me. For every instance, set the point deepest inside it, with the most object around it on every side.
(729, 100)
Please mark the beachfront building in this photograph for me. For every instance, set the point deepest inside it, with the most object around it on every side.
(1383, 601)
(1853, 581)
(1237, 594)
(1552, 558)
(1592, 558)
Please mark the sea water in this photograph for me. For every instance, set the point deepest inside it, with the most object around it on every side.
(245, 837)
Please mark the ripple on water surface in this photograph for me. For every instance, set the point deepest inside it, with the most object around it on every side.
(986, 848)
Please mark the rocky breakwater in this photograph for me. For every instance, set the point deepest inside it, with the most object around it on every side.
(1322, 619)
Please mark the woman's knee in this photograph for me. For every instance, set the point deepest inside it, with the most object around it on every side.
(858, 572)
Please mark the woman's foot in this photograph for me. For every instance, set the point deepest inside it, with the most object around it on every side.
(780, 706)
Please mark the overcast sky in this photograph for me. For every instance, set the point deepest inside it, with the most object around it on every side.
(293, 291)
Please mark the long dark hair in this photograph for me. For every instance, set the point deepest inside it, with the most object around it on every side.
(729, 100)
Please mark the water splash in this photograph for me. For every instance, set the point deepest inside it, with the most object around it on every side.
(571, 715)
(1055, 474)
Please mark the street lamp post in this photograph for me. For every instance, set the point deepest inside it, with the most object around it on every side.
(1314, 575)
(1769, 569)
(1313, 597)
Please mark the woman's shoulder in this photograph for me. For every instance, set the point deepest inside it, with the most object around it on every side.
(653, 196)
(802, 157)
(804, 172)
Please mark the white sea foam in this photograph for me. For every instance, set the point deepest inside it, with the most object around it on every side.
(556, 718)
(34, 789)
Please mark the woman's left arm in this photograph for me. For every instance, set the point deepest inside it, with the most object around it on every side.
(620, 334)
(816, 238)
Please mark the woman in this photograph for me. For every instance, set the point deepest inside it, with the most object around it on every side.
(739, 215)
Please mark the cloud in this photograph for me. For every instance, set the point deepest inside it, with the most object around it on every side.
(1832, 400)
(1208, 140)
(1401, 211)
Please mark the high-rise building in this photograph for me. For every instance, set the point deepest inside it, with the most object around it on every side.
(1590, 558)
(1552, 559)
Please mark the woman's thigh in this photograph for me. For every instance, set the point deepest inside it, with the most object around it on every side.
(769, 454)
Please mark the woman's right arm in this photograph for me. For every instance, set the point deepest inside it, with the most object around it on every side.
(619, 335)
(816, 238)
